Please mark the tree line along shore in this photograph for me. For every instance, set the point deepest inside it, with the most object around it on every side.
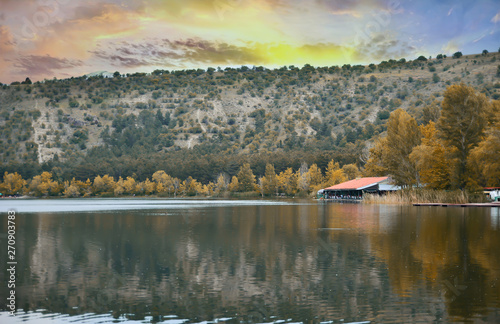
(301, 182)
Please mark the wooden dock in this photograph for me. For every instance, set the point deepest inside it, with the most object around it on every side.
(493, 204)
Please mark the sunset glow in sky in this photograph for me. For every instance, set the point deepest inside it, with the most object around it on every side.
(42, 39)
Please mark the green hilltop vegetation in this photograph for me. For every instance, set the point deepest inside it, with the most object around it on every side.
(204, 124)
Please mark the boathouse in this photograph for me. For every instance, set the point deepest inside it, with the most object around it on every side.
(354, 189)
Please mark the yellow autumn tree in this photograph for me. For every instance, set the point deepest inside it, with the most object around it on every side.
(13, 183)
(334, 174)
(221, 186)
(391, 155)
(375, 166)
(351, 171)
(105, 184)
(464, 116)
(119, 188)
(209, 189)
(129, 186)
(287, 182)
(485, 158)
(269, 181)
(43, 185)
(403, 134)
(191, 187)
(303, 178)
(316, 176)
(246, 179)
(430, 159)
(85, 187)
(164, 182)
(71, 189)
(234, 185)
(146, 187)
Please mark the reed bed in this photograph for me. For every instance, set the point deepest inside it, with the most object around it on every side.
(413, 196)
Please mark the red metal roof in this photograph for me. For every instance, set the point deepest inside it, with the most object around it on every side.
(357, 183)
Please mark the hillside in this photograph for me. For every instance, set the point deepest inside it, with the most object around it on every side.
(230, 111)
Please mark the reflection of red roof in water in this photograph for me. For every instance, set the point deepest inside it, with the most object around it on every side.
(357, 183)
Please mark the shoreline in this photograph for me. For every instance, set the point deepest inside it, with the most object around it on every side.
(490, 204)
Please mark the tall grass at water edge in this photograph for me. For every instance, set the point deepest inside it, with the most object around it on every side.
(413, 196)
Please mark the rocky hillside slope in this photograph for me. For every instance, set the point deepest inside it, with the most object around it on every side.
(246, 109)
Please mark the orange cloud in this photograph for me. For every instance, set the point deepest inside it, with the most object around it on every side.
(7, 42)
(7, 46)
(75, 36)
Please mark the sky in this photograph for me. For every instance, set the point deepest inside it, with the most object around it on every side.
(43, 39)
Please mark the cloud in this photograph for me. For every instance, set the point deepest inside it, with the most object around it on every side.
(496, 18)
(451, 47)
(35, 65)
(383, 46)
(167, 53)
(7, 42)
(479, 38)
(7, 5)
(77, 29)
(354, 8)
(196, 52)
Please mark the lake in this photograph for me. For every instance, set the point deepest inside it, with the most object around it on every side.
(251, 261)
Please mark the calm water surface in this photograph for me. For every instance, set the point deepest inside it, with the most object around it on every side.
(209, 261)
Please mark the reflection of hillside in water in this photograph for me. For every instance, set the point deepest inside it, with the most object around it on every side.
(325, 261)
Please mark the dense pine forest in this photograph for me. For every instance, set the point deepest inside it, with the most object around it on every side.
(429, 122)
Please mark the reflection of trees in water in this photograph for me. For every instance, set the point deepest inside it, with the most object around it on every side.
(254, 260)
(453, 250)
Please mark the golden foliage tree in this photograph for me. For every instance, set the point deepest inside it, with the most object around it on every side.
(375, 165)
(403, 134)
(303, 178)
(316, 176)
(119, 187)
(129, 186)
(12, 183)
(246, 179)
(430, 159)
(392, 154)
(270, 181)
(334, 174)
(146, 187)
(164, 182)
(234, 185)
(191, 187)
(287, 182)
(85, 187)
(351, 171)
(105, 184)
(42, 185)
(461, 127)
(71, 189)
(485, 158)
(221, 186)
